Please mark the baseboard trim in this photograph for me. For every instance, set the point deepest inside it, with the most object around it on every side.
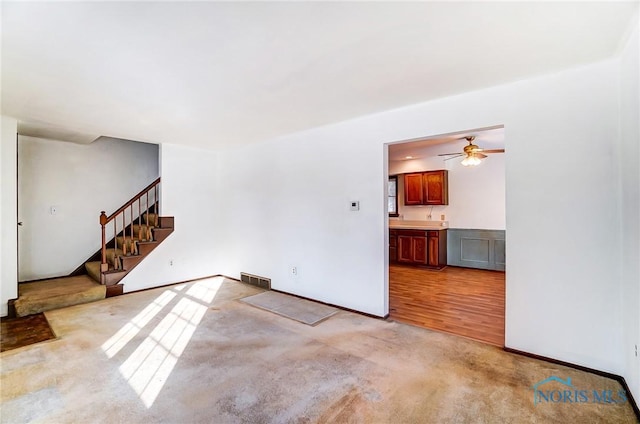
(315, 300)
(48, 278)
(173, 284)
(332, 305)
(620, 379)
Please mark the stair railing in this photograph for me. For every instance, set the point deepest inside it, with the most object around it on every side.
(147, 202)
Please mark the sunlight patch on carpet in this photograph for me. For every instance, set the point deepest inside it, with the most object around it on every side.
(150, 365)
(119, 340)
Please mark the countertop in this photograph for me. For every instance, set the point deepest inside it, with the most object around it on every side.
(396, 224)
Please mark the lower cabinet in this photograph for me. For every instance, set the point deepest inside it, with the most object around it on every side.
(412, 247)
(437, 241)
(418, 247)
(393, 246)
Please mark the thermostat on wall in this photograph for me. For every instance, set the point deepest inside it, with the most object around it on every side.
(355, 205)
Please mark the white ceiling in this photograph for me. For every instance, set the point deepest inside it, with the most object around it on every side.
(219, 74)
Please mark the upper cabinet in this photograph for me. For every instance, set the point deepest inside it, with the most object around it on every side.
(436, 187)
(413, 192)
(426, 188)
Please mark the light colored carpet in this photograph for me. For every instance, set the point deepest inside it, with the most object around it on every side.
(193, 353)
(41, 296)
(301, 310)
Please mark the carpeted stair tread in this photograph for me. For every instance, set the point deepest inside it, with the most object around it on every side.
(120, 240)
(120, 263)
(145, 229)
(152, 219)
(112, 254)
(130, 243)
(57, 293)
(93, 269)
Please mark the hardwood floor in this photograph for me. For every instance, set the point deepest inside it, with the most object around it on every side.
(462, 301)
(24, 331)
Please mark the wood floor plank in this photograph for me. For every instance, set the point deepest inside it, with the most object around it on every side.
(24, 331)
(462, 301)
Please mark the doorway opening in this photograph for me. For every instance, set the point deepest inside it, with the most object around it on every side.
(447, 244)
(62, 187)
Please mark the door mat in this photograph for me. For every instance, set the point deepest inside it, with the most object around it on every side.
(301, 310)
(24, 331)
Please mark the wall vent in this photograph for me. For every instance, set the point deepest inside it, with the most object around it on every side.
(256, 280)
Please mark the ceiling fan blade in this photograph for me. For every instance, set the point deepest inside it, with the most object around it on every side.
(493, 151)
(449, 154)
(457, 155)
(480, 155)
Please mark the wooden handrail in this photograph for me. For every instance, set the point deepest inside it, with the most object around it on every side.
(130, 202)
(104, 220)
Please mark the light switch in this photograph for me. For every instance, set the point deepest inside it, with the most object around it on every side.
(53, 210)
(355, 205)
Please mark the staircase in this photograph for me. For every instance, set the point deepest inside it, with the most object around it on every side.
(128, 236)
(129, 251)
(137, 230)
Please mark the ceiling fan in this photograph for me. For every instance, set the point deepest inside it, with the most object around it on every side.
(471, 152)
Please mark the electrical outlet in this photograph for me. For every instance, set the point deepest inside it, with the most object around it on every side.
(294, 270)
(170, 262)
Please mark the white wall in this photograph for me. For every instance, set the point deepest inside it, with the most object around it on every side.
(630, 206)
(189, 193)
(476, 193)
(80, 181)
(8, 218)
(286, 203)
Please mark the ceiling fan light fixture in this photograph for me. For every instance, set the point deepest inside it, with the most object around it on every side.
(472, 153)
(470, 160)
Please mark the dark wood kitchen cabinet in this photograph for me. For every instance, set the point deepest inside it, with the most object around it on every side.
(426, 188)
(413, 192)
(437, 248)
(418, 247)
(393, 246)
(412, 247)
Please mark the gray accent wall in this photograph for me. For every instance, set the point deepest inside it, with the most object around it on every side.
(482, 249)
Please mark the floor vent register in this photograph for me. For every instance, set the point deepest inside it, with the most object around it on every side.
(256, 280)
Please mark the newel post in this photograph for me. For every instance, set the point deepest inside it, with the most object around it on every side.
(103, 221)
